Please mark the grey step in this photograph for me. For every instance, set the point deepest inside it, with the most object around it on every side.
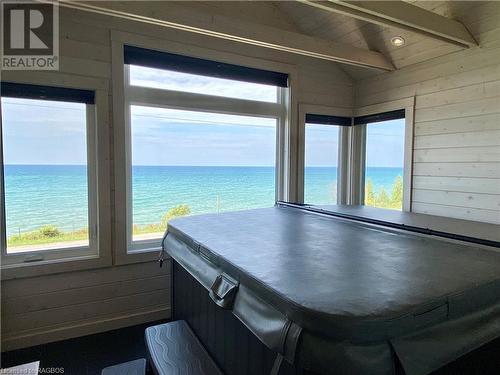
(137, 367)
(174, 350)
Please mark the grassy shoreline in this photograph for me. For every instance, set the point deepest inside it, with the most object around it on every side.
(51, 234)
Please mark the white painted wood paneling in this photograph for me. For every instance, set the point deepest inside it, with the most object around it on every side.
(458, 199)
(458, 154)
(484, 170)
(466, 213)
(53, 307)
(465, 139)
(459, 125)
(456, 170)
(461, 184)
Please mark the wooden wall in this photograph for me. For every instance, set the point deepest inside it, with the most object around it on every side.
(457, 122)
(54, 307)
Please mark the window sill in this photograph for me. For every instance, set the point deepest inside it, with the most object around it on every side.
(138, 256)
(32, 269)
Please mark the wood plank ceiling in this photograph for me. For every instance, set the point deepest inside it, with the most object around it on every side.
(418, 48)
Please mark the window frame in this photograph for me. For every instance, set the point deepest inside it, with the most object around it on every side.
(98, 253)
(359, 157)
(343, 147)
(123, 98)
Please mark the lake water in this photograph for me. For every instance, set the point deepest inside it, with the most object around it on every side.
(38, 195)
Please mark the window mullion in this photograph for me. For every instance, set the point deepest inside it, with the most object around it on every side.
(343, 167)
(357, 165)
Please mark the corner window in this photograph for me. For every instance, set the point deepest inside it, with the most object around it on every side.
(321, 158)
(384, 163)
(202, 137)
(48, 181)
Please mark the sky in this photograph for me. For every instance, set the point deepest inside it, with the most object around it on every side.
(175, 137)
(321, 145)
(385, 144)
(46, 132)
(43, 132)
(163, 79)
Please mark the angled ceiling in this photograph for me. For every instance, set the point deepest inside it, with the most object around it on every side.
(418, 48)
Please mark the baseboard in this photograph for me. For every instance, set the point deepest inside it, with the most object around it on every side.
(82, 328)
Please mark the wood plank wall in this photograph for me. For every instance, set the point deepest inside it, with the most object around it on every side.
(457, 122)
(54, 307)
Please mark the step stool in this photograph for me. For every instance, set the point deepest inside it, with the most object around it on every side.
(174, 349)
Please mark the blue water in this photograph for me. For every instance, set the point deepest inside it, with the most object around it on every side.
(38, 195)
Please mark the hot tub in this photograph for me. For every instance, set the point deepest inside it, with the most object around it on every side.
(330, 295)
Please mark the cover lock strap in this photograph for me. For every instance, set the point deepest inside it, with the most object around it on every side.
(223, 291)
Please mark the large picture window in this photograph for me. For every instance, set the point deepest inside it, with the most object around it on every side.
(48, 195)
(187, 162)
(202, 137)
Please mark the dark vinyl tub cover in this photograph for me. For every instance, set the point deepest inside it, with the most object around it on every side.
(333, 295)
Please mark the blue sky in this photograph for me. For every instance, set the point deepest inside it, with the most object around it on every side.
(174, 137)
(162, 79)
(44, 132)
(385, 144)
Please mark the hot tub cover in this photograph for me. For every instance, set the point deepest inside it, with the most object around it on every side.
(336, 295)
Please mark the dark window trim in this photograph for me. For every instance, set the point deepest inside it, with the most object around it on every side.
(186, 64)
(328, 120)
(63, 94)
(385, 116)
(312, 118)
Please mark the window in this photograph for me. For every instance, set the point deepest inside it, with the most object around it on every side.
(48, 196)
(321, 163)
(321, 158)
(201, 137)
(384, 165)
(169, 71)
(186, 162)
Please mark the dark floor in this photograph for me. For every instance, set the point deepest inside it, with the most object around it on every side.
(86, 355)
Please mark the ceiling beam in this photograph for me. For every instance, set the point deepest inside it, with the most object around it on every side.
(233, 29)
(403, 16)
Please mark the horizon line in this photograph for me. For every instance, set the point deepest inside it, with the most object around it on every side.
(189, 165)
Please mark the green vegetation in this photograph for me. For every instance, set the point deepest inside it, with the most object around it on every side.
(45, 235)
(383, 199)
(177, 211)
(51, 234)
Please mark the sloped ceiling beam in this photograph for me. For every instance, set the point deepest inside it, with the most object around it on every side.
(401, 15)
(233, 29)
